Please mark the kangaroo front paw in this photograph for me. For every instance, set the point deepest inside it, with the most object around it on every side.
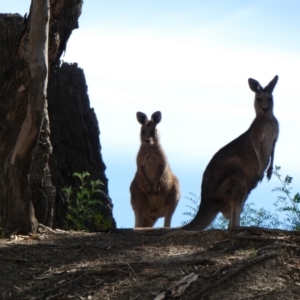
(151, 191)
(269, 173)
(158, 188)
(260, 176)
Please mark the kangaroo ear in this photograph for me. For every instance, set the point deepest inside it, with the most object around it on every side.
(270, 87)
(254, 85)
(156, 117)
(141, 117)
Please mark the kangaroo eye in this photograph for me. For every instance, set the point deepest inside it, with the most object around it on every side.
(258, 99)
(143, 131)
(152, 132)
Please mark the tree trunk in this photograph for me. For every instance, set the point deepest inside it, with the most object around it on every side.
(18, 211)
(38, 154)
(74, 138)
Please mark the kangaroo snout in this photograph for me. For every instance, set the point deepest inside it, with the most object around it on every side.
(149, 140)
(265, 109)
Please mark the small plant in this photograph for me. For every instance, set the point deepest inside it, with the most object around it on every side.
(82, 204)
(99, 221)
(194, 207)
(259, 217)
(219, 223)
(249, 217)
(291, 205)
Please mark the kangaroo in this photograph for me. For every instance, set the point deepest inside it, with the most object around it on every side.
(155, 189)
(235, 169)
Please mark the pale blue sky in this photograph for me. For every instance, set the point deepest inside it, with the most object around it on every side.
(192, 61)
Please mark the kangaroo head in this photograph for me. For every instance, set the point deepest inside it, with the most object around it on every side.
(263, 96)
(149, 133)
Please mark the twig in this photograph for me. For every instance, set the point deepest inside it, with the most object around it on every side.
(78, 296)
(184, 233)
(107, 271)
(259, 296)
(251, 237)
(136, 297)
(232, 273)
(52, 230)
(61, 285)
(133, 272)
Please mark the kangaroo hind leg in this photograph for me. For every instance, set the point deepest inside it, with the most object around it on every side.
(138, 202)
(239, 194)
(206, 214)
(171, 203)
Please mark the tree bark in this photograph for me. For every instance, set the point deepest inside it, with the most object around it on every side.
(18, 211)
(75, 138)
(32, 176)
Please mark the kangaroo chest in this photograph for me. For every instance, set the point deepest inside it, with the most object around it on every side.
(267, 134)
(153, 164)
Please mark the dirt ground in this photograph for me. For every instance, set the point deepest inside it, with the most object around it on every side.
(246, 263)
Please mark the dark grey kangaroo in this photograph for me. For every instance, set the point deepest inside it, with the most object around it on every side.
(236, 168)
(154, 189)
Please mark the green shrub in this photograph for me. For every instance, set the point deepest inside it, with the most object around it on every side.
(290, 205)
(249, 217)
(82, 205)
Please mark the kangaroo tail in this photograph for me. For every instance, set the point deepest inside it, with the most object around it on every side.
(204, 217)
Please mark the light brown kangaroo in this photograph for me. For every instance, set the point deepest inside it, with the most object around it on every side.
(237, 167)
(155, 189)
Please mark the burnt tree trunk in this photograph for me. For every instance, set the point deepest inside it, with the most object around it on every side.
(67, 140)
(74, 136)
